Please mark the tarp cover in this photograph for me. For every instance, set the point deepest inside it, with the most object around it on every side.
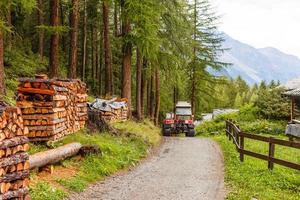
(107, 105)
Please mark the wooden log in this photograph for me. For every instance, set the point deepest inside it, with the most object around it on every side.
(14, 159)
(13, 142)
(15, 194)
(36, 91)
(15, 176)
(53, 156)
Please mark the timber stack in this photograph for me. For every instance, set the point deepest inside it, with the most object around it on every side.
(112, 110)
(14, 160)
(52, 108)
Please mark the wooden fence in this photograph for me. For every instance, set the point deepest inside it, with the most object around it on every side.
(234, 132)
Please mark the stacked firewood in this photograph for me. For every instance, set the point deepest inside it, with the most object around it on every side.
(52, 108)
(111, 110)
(14, 160)
(115, 115)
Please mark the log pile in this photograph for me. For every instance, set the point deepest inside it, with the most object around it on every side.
(52, 108)
(111, 110)
(14, 160)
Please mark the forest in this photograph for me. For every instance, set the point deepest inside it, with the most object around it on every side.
(153, 53)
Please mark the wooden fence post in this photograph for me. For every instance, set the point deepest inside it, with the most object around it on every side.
(271, 154)
(238, 135)
(226, 124)
(241, 148)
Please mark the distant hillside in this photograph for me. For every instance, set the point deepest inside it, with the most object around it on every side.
(255, 65)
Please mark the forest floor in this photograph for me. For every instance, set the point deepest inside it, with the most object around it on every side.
(183, 168)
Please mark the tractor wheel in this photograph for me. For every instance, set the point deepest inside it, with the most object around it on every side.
(166, 132)
(190, 133)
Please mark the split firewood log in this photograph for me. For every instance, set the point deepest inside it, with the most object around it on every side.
(22, 192)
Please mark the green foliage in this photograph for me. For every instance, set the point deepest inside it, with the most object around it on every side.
(20, 64)
(249, 121)
(50, 30)
(271, 104)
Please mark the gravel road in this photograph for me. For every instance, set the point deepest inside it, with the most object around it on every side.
(183, 169)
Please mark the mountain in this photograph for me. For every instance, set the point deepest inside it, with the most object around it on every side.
(255, 65)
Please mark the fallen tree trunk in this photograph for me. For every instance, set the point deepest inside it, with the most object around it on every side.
(53, 156)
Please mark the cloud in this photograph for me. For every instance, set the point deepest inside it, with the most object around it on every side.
(263, 22)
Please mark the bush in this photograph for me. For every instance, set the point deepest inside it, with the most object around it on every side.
(263, 126)
(249, 121)
(272, 105)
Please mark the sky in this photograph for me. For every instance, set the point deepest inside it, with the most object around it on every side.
(262, 23)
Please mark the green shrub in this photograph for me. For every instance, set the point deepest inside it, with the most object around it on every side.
(263, 126)
(272, 105)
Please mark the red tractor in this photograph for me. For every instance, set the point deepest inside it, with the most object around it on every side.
(180, 122)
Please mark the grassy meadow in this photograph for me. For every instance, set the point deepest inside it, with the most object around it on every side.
(251, 178)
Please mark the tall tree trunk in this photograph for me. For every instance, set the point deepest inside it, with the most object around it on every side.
(100, 63)
(143, 94)
(157, 99)
(74, 39)
(175, 99)
(97, 61)
(2, 74)
(193, 96)
(95, 30)
(84, 42)
(40, 13)
(149, 98)
(126, 60)
(193, 71)
(116, 9)
(64, 38)
(152, 97)
(107, 50)
(9, 23)
(92, 41)
(54, 46)
(139, 65)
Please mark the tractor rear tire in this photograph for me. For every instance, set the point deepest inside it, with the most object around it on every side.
(190, 133)
(166, 132)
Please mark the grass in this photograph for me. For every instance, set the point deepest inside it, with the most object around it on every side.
(251, 178)
(118, 153)
(144, 130)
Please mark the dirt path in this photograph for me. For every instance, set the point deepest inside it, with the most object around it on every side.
(184, 169)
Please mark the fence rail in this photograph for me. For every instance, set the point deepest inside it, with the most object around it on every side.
(235, 134)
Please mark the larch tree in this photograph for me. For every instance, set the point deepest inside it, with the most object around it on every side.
(74, 20)
(207, 47)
